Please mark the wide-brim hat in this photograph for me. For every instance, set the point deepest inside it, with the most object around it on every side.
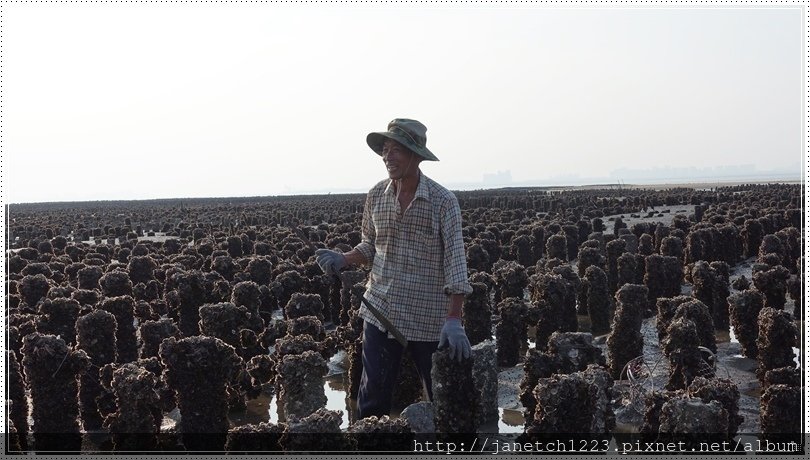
(409, 133)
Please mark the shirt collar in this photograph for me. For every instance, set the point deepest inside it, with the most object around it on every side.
(422, 189)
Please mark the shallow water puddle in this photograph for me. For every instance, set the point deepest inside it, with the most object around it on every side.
(510, 421)
(265, 409)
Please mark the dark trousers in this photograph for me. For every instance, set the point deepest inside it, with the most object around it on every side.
(381, 362)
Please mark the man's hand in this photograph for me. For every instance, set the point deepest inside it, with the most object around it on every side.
(330, 261)
(453, 334)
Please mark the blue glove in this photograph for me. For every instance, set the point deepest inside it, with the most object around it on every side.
(454, 335)
(330, 261)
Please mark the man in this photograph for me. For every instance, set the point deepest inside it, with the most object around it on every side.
(411, 237)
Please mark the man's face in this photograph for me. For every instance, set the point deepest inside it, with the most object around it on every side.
(399, 161)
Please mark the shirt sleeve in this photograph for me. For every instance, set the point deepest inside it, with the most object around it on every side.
(368, 232)
(455, 260)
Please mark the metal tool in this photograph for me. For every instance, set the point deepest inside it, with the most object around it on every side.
(377, 313)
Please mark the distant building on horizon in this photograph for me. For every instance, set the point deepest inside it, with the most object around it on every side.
(498, 178)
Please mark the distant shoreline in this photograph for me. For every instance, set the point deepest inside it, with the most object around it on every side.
(701, 184)
(696, 185)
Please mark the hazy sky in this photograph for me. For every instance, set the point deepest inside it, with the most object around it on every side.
(117, 101)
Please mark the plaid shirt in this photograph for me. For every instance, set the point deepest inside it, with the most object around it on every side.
(417, 258)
